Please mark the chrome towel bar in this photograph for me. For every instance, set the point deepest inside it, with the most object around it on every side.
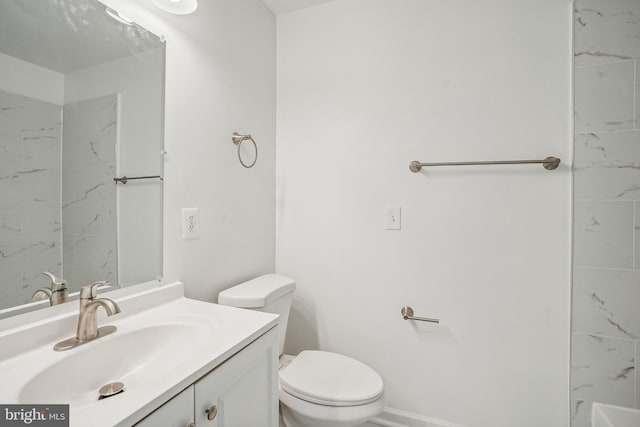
(407, 314)
(549, 163)
(124, 179)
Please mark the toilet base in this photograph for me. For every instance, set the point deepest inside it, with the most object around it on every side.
(296, 412)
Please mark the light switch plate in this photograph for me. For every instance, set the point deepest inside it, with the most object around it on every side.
(393, 218)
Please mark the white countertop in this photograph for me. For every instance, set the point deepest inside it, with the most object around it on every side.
(215, 333)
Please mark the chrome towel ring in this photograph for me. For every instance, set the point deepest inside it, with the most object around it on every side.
(238, 140)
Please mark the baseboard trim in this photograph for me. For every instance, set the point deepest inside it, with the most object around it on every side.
(395, 418)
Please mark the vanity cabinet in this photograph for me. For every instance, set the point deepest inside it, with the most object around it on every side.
(240, 392)
(177, 412)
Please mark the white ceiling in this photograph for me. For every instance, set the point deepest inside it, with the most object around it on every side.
(285, 6)
(67, 36)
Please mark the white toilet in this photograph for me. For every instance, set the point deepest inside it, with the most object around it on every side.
(317, 388)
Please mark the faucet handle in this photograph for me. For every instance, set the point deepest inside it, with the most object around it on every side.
(91, 291)
(56, 284)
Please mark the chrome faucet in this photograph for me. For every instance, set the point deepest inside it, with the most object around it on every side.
(87, 320)
(57, 294)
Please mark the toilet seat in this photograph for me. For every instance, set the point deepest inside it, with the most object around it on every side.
(330, 379)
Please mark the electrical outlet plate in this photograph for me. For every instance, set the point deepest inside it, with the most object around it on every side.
(190, 223)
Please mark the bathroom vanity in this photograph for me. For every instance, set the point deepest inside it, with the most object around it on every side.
(181, 362)
(236, 393)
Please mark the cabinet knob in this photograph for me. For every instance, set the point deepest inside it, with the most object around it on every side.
(212, 412)
(192, 425)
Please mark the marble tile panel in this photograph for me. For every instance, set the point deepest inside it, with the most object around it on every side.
(31, 117)
(636, 234)
(41, 146)
(89, 251)
(29, 252)
(108, 219)
(605, 302)
(74, 280)
(90, 258)
(12, 109)
(38, 153)
(603, 234)
(106, 258)
(78, 277)
(107, 274)
(580, 413)
(607, 166)
(637, 374)
(82, 151)
(45, 134)
(39, 185)
(10, 290)
(10, 182)
(41, 217)
(82, 218)
(10, 218)
(90, 117)
(74, 250)
(10, 147)
(88, 184)
(11, 249)
(606, 30)
(47, 252)
(108, 144)
(637, 123)
(604, 98)
(27, 115)
(29, 189)
(603, 369)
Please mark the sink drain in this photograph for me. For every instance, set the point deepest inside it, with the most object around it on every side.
(110, 389)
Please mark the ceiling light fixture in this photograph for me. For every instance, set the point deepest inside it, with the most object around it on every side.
(179, 7)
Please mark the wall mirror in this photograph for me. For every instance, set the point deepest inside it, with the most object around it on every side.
(81, 103)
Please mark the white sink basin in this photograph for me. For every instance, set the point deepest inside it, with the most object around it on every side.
(132, 358)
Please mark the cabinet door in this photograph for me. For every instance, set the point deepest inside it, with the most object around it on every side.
(178, 412)
(243, 391)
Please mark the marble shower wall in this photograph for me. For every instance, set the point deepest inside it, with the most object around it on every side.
(30, 222)
(606, 282)
(89, 192)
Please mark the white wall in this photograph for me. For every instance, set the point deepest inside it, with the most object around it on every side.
(30, 80)
(220, 78)
(364, 88)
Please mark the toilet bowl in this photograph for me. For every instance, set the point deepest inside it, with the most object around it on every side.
(317, 388)
(323, 389)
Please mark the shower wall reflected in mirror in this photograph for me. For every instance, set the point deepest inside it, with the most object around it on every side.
(81, 103)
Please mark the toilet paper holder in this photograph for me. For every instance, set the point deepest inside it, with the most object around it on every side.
(407, 314)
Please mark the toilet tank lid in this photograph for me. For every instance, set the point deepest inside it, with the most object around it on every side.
(257, 292)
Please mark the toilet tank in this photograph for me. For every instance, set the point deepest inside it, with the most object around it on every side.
(271, 293)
